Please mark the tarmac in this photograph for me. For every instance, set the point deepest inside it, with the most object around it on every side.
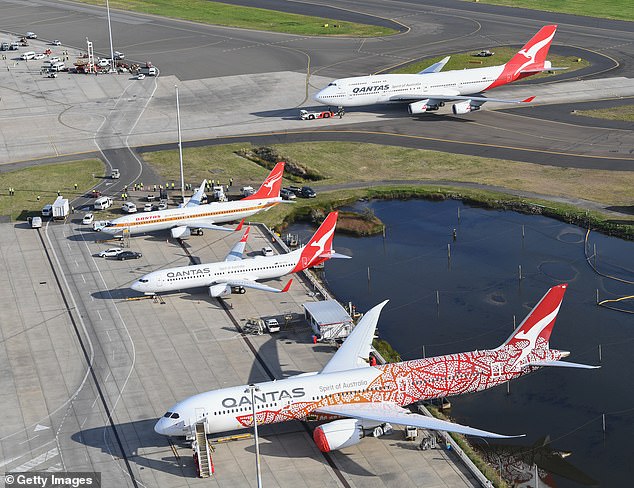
(86, 372)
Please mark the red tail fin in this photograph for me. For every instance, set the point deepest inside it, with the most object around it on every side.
(271, 186)
(246, 235)
(536, 328)
(319, 247)
(528, 60)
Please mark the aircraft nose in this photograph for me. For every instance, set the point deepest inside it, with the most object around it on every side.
(161, 426)
(137, 286)
(319, 96)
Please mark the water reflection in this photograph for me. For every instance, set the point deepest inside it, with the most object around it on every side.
(472, 300)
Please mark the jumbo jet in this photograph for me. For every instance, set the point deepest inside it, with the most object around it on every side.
(369, 396)
(429, 89)
(180, 221)
(236, 273)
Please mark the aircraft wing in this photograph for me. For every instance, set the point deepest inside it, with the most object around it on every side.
(257, 286)
(195, 200)
(355, 350)
(394, 414)
(436, 67)
(413, 97)
(237, 251)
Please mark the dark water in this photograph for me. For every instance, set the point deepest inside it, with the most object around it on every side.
(479, 293)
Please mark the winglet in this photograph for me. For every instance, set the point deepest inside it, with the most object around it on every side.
(528, 100)
(436, 67)
(239, 228)
(287, 287)
(271, 186)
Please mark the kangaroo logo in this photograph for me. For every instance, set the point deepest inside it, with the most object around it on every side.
(271, 181)
(533, 333)
(532, 51)
(317, 247)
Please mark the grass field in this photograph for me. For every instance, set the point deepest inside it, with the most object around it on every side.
(623, 112)
(501, 56)
(217, 13)
(45, 181)
(608, 9)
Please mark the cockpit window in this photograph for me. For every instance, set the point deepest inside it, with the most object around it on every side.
(168, 415)
(110, 224)
(143, 281)
(332, 84)
(174, 416)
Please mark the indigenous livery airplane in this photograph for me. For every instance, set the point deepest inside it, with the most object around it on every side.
(369, 396)
(429, 89)
(180, 221)
(235, 273)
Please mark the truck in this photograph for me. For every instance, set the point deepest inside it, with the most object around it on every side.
(322, 114)
(148, 69)
(115, 174)
(61, 208)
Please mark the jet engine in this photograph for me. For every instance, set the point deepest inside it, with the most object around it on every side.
(464, 107)
(419, 107)
(180, 232)
(338, 434)
(219, 290)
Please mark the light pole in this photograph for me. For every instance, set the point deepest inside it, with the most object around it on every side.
(180, 145)
(110, 34)
(252, 388)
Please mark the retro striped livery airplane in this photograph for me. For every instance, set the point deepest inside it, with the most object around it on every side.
(180, 221)
(235, 273)
(369, 396)
(429, 89)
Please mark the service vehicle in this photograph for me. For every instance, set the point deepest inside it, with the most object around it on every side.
(272, 325)
(61, 208)
(295, 189)
(36, 222)
(485, 53)
(27, 55)
(47, 210)
(150, 197)
(88, 219)
(110, 253)
(129, 207)
(58, 66)
(148, 207)
(14, 46)
(39, 56)
(118, 55)
(247, 191)
(103, 62)
(103, 203)
(122, 256)
(56, 42)
(31, 35)
(307, 192)
(162, 205)
(52, 75)
(287, 194)
(115, 174)
(4, 46)
(95, 193)
(267, 251)
(148, 70)
(140, 76)
(324, 114)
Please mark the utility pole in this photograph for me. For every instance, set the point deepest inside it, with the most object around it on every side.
(110, 34)
(180, 145)
(252, 388)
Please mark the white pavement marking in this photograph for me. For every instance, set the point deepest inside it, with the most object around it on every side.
(31, 438)
(55, 468)
(36, 461)
(99, 315)
(82, 277)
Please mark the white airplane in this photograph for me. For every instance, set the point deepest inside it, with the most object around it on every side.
(429, 89)
(180, 221)
(235, 273)
(370, 396)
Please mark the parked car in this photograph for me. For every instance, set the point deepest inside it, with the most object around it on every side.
(118, 55)
(110, 253)
(122, 256)
(140, 76)
(307, 192)
(267, 251)
(287, 194)
(148, 207)
(128, 207)
(295, 189)
(162, 206)
(102, 203)
(88, 219)
(485, 53)
(39, 56)
(56, 43)
(36, 222)
(272, 325)
(31, 35)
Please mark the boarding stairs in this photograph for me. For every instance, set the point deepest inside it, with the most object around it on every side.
(202, 453)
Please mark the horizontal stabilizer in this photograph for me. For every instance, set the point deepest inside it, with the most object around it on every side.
(394, 414)
(561, 364)
(334, 255)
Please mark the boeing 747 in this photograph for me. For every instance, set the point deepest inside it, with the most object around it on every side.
(180, 221)
(368, 396)
(429, 89)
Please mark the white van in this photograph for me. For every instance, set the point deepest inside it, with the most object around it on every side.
(59, 66)
(27, 55)
(128, 207)
(102, 203)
